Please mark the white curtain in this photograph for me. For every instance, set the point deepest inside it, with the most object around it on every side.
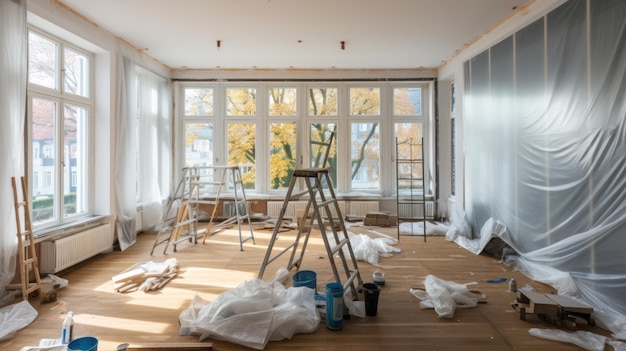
(125, 158)
(13, 56)
(143, 150)
(154, 145)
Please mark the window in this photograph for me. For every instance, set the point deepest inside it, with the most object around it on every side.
(242, 151)
(60, 106)
(269, 129)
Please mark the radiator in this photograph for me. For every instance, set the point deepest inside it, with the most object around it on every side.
(63, 253)
(361, 208)
(274, 207)
(415, 210)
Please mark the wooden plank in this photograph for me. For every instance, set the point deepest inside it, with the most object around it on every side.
(568, 304)
(187, 346)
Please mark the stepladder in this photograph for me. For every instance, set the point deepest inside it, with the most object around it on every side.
(223, 186)
(179, 219)
(323, 213)
(27, 255)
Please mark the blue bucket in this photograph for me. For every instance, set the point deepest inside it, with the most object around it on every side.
(305, 278)
(87, 343)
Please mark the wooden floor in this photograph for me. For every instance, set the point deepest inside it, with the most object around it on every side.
(218, 265)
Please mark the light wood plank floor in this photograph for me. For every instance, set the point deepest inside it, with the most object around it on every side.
(217, 266)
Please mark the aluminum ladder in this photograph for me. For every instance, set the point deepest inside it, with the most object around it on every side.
(228, 176)
(319, 205)
(179, 220)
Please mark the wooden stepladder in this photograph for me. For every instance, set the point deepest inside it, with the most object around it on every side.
(26, 245)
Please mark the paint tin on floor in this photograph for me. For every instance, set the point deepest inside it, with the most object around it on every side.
(379, 277)
(334, 306)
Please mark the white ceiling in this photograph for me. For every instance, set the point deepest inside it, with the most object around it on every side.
(283, 34)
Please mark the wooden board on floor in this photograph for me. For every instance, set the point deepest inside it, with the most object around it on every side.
(186, 346)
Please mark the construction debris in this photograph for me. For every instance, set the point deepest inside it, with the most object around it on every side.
(560, 310)
(381, 219)
(146, 276)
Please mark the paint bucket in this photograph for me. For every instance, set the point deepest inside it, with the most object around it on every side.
(305, 278)
(334, 306)
(86, 343)
(371, 292)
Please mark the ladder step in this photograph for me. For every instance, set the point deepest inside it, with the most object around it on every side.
(30, 260)
(339, 246)
(326, 203)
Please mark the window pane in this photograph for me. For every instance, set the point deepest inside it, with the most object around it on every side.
(75, 160)
(282, 154)
(241, 102)
(42, 61)
(44, 114)
(198, 144)
(322, 102)
(282, 101)
(365, 151)
(409, 139)
(407, 101)
(241, 151)
(365, 101)
(198, 102)
(320, 132)
(76, 74)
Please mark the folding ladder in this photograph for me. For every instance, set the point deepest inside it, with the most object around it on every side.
(336, 243)
(229, 175)
(179, 220)
(26, 245)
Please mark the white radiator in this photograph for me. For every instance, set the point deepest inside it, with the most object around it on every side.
(274, 207)
(63, 253)
(415, 210)
(361, 208)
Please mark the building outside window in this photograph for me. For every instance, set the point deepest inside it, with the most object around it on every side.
(60, 106)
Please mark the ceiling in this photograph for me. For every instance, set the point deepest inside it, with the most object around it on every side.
(297, 34)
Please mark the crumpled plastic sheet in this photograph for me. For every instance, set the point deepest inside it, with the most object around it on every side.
(417, 228)
(369, 249)
(586, 340)
(444, 296)
(252, 314)
(16, 317)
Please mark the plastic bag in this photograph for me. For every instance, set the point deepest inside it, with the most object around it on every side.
(586, 340)
(252, 314)
(15, 317)
(444, 296)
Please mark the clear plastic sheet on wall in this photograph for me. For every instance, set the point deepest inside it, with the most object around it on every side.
(545, 146)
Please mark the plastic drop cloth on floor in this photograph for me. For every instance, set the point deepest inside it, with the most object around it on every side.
(445, 296)
(16, 317)
(369, 249)
(252, 314)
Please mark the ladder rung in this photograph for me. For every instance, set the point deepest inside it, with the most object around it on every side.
(22, 203)
(29, 261)
(339, 246)
(297, 195)
(351, 280)
(326, 203)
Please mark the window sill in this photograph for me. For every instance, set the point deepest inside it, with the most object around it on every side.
(67, 229)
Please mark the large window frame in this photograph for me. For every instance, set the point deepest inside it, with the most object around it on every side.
(65, 163)
(340, 118)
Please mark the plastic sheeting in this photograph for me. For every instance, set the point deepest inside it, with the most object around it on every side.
(545, 139)
(445, 296)
(15, 317)
(252, 314)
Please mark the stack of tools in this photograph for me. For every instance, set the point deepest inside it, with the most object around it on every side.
(146, 276)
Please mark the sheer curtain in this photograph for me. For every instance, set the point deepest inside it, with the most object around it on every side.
(143, 146)
(154, 145)
(125, 159)
(13, 63)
